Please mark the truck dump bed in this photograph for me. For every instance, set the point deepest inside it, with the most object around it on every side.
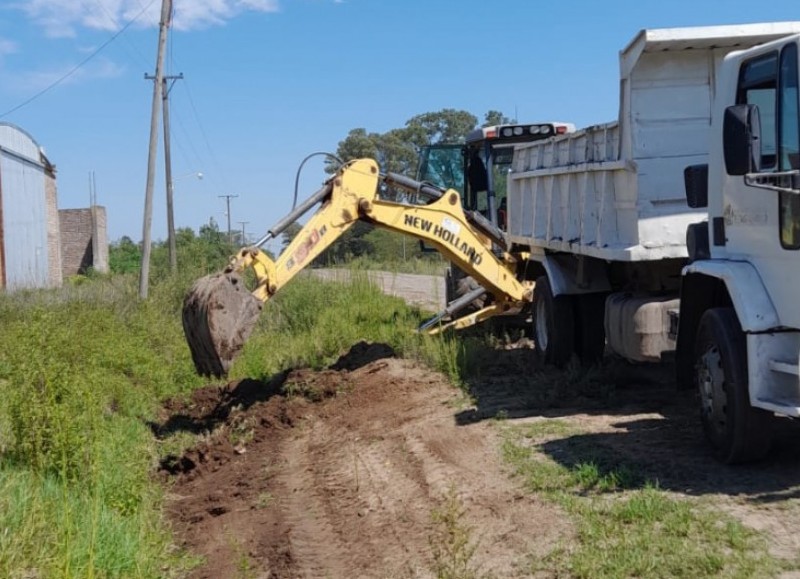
(615, 191)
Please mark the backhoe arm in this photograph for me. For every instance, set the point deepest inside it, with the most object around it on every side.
(354, 196)
(219, 313)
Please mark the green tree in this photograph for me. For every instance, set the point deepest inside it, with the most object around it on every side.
(210, 232)
(493, 118)
(124, 256)
(289, 234)
(397, 151)
(445, 126)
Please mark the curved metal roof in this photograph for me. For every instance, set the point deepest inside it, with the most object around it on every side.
(20, 143)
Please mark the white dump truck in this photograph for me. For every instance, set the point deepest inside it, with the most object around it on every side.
(676, 228)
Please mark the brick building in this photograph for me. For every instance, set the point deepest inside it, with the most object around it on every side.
(84, 240)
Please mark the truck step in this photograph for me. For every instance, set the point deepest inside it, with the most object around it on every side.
(783, 367)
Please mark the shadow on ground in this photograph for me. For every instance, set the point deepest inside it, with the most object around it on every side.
(629, 418)
(212, 406)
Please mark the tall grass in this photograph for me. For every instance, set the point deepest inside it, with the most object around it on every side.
(85, 369)
(82, 369)
(312, 322)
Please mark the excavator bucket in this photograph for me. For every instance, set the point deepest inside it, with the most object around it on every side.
(219, 313)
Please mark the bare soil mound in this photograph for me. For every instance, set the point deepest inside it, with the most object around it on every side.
(338, 473)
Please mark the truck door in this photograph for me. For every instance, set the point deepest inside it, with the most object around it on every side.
(763, 226)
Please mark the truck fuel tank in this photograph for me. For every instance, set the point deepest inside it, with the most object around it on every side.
(638, 326)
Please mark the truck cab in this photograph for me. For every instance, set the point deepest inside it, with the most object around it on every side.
(739, 328)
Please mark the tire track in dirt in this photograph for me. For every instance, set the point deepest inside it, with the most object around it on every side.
(311, 538)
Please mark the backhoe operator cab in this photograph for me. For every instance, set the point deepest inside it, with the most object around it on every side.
(478, 168)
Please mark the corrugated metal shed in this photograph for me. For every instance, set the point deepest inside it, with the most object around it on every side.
(24, 173)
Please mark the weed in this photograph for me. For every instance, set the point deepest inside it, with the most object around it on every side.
(241, 430)
(302, 389)
(264, 500)
(244, 566)
(451, 542)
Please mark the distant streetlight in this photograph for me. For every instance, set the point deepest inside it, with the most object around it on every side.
(173, 249)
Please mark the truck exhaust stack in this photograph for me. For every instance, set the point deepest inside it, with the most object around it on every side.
(219, 313)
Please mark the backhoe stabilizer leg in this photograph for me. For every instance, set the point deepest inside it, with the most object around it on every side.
(469, 320)
(453, 307)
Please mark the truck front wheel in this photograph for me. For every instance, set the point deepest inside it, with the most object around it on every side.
(553, 324)
(737, 431)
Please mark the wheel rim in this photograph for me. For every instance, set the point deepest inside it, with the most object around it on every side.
(711, 384)
(542, 338)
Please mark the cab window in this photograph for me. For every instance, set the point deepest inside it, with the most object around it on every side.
(758, 85)
(789, 145)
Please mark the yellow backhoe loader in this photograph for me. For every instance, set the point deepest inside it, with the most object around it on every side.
(219, 312)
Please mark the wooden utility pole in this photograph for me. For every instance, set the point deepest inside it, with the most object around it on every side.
(144, 274)
(165, 90)
(228, 212)
(244, 239)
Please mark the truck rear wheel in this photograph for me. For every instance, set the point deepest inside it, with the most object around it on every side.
(737, 431)
(553, 324)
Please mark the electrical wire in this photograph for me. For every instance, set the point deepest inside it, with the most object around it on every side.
(76, 67)
(206, 141)
(141, 60)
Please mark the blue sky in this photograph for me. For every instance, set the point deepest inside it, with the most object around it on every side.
(269, 81)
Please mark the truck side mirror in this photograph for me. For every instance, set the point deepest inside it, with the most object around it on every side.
(741, 138)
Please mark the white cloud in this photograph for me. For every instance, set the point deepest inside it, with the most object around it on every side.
(34, 81)
(61, 18)
(7, 47)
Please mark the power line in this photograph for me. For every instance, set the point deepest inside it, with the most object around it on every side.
(142, 60)
(77, 67)
(203, 132)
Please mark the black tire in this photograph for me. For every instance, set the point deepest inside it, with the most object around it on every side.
(458, 284)
(553, 324)
(590, 332)
(737, 431)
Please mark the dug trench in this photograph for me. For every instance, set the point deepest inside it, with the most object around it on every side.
(340, 472)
